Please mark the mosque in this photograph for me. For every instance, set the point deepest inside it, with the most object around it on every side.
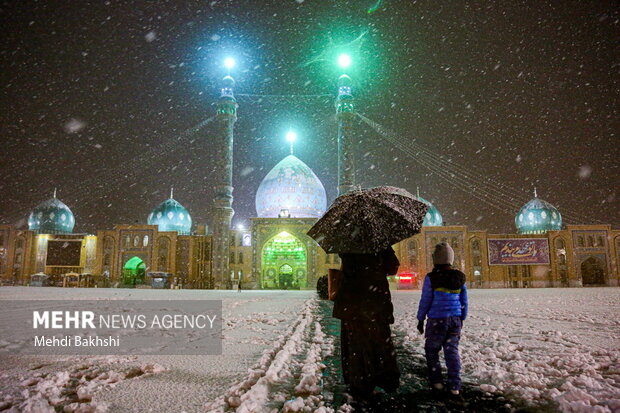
(170, 251)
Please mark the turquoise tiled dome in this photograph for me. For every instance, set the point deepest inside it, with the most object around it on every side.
(432, 218)
(51, 217)
(170, 215)
(291, 185)
(538, 217)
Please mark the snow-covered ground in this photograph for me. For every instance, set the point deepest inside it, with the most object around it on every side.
(547, 346)
(542, 345)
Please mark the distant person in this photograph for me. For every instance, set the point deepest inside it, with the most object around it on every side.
(239, 287)
(364, 306)
(322, 287)
(444, 302)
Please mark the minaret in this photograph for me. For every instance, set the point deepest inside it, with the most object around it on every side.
(222, 203)
(344, 115)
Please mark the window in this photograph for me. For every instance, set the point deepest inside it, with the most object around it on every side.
(559, 244)
(145, 241)
(136, 241)
(240, 261)
(580, 242)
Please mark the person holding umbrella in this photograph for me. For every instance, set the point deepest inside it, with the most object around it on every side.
(361, 227)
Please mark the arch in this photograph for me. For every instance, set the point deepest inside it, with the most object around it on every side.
(559, 243)
(134, 271)
(476, 260)
(163, 248)
(476, 253)
(593, 271)
(279, 253)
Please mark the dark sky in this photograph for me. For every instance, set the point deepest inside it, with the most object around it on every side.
(95, 94)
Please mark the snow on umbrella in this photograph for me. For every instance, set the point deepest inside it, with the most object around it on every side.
(369, 221)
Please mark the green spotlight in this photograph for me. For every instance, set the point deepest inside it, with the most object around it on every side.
(229, 63)
(344, 60)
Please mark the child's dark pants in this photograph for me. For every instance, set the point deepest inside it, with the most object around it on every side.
(443, 332)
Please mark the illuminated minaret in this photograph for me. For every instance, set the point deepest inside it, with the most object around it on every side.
(344, 115)
(222, 203)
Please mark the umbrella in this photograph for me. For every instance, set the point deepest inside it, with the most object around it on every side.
(369, 221)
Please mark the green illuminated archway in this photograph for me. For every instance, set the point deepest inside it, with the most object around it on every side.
(134, 271)
(284, 260)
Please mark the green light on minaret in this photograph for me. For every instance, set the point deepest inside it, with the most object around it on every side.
(344, 60)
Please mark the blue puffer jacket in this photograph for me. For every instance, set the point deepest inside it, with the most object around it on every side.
(444, 294)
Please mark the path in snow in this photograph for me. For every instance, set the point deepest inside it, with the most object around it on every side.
(413, 394)
(288, 375)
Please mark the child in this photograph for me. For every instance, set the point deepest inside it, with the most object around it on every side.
(444, 301)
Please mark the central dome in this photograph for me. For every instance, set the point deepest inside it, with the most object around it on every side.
(291, 185)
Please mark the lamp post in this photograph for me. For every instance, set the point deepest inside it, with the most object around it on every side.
(344, 116)
(225, 118)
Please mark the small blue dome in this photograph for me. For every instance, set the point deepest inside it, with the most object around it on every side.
(171, 216)
(432, 218)
(291, 185)
(51, 217)
(538, 217)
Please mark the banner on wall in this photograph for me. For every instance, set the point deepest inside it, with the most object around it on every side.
(518, 251)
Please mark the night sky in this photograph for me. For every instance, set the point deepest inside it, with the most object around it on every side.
(95, 96)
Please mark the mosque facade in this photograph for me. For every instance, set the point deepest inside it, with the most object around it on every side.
(275, 252)
(171, 251)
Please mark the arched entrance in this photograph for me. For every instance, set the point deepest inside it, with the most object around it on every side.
(134, 271)
(284, 261)
(593, 272)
